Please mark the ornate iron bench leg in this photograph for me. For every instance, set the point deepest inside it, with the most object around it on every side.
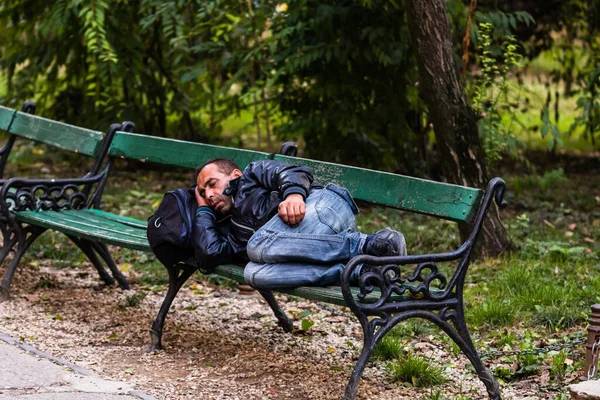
(102, 250)
(24, 237)
(370, 340)
(282, 318)
(460, 334)
(9, 238)
(87, 249)
(176, 281)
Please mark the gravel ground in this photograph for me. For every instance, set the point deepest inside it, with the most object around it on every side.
(220, 344)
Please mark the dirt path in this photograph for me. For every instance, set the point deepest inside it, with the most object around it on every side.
(219, 344)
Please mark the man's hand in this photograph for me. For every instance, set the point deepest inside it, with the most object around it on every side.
(292, 209)
(199, 199)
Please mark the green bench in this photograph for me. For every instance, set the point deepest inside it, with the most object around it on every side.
(20, 194)
(406, 287)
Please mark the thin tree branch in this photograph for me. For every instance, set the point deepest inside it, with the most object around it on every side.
(467, 39)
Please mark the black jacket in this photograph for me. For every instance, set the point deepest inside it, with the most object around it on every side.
(255, 198)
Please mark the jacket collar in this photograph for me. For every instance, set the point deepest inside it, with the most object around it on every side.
(232, 188)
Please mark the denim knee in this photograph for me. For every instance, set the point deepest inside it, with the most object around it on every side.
(249, 273)
(255, 246)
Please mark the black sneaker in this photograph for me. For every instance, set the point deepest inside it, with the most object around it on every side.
(386, 242)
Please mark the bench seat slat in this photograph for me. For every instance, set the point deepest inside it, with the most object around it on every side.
(177, 152)
(112, 223)
(453, 202)
(85, 217)
(6, 116)
(58, 134)
(82, 221)
(136, 223)
(107, 232)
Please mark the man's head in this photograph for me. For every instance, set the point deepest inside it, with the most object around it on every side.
(212, 178)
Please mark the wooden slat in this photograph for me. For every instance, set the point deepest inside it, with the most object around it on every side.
(6, 116)
(108, 232)
(57, 134)
(453, 202)
(136, 223)
(177, 152)
(87, 217)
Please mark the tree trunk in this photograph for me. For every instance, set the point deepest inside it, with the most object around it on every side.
(454, 121)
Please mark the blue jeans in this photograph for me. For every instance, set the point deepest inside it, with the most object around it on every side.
(313, 253)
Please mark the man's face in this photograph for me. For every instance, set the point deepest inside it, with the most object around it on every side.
(211, 183)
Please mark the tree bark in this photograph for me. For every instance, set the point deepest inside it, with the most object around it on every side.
(454, 121)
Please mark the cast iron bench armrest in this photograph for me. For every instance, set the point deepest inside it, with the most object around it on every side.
(389, 279)
(18, 194)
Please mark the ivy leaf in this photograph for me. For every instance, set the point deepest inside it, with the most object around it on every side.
(307, 324)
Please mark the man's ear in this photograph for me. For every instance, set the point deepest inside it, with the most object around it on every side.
(236, 173)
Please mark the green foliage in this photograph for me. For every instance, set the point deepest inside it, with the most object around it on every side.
(318, 70)
(45, 281)
(494, 313)
(560, 366)
(507, 338)
(576, 51)
(388, 348)
(346, 70)
(491, 94)
(545, 182)
(548, 126)
(134, 299)
(416, 371)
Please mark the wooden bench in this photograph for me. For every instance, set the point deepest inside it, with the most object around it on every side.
(406, 287)
(20, 194)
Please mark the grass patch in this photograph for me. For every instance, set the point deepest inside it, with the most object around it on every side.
(493, 313)
(388, 348)
(416, 371)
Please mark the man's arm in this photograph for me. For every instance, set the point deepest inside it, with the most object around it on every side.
(291, 181)
(211, 248)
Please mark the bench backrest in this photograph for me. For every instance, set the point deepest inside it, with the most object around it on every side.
(57, 134)
(442, 200)
(6, 116)
(177, 152)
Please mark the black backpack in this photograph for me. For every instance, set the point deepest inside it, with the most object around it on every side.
(170, 227)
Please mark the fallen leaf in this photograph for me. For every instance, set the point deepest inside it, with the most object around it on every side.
(572, 227)
(569, 234)
(32, 297)
(589, 240)
(550, 224)
(330, 350)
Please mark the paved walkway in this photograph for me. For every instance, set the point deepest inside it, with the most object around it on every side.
(27, 373)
